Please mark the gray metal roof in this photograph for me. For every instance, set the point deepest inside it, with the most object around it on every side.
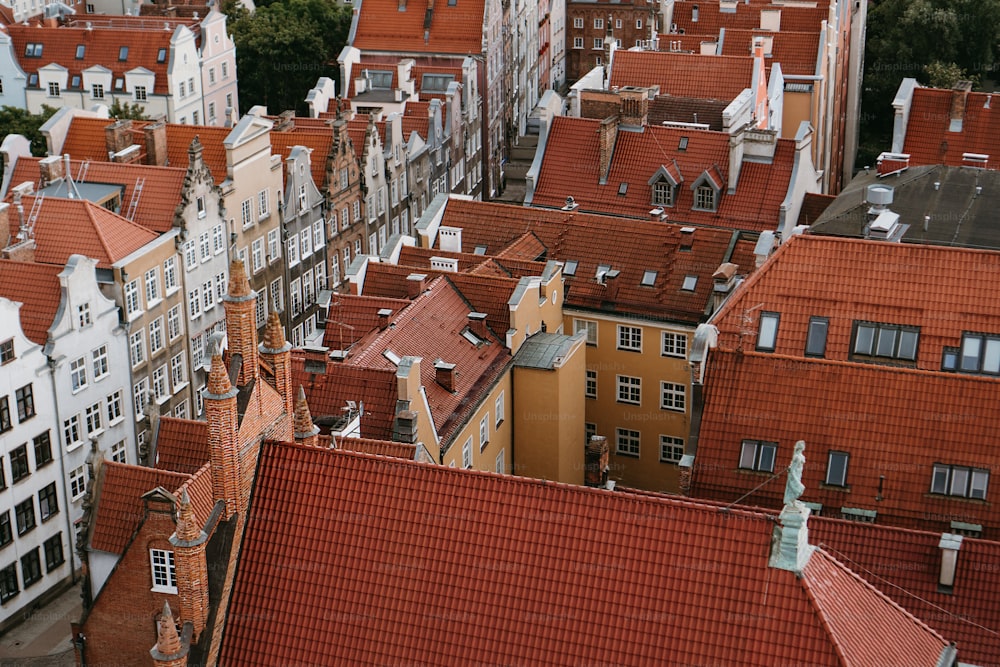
(543, 350)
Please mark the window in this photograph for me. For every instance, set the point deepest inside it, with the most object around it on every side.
(578, 22)
(591, 387)
(598, 24)
(277, 303)
(24, 513)
(8, 582)
(81, 49)
(211, 76)
(263, 206)
(673, 396)
(93, 418)
(218, 239)
(816, 337)
(296, 296)
(156, 335)
(318, 240)
(31, 568)
(48, 503)
(197, 352)
(467, 453)
(115, 407)
(160, 389)
(53, 548)
(598, 42)
(164, 575)
(247, 211)
(6, 532)
(671, 449)
(704, 198)
(78, 373)
(25, 403)
(181, 410)
(836, 468)
(77, 483)
(220, 286)
(629, 338)
(960, 481)
(43, 449)
(5, 422)
(123, 53)
(7, 351)
(626, 442)
(273, 246)
(767, 331)
(139, 394)
(174, 327)
(53, 89)
(638, 24)
(889, 341)
(261, 309)
(178, 372)
(673, 344)
(758, 455)
(99, 362)
(205, 246)
(211, 112)
(137, 345)
(139, 93)
(194, 303)
(618, 25)
(980, 353)
(182, 92)
(501, 464)
(649, 278)
(690, 282)
(97, 91)
(19, 468)
(225, 75)
(590, 326)
(71, 432)
(498, 410)
(578, 42)
(190, 255)
(484, 431)
(306, 240)
(118, 452)
(257, 255)
(293, 251)
(207, 296)
(152, 286)
(307, 288)
(132, 298)
(629, 389)
(83, 315)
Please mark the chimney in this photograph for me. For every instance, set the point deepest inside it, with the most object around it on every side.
(404, 427)
(770, 19)
(156, 143)
(444, 374)
(241, 324)
(762, 113)
(50, 170)
(219, 397)
(383, 318)
(416, 283)
(892, 163)
(607, 134)
(595, 472)
(286, 121)
(764, 248)
(687, 238)
(305, 431)
(127, 155)
(118, 136)
(190, 541)
(949, 545)
(171, 649)
(477, 325)
(275, 351)
(634, 106)
(959, 96)
(735, 158)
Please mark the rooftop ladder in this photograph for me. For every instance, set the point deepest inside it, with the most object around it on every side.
(136, 194)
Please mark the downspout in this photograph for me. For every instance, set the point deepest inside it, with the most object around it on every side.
(62, 469)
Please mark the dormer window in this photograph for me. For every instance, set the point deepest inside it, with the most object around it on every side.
(664, 184)
(704, 198)
(663, 193)
(707, 189)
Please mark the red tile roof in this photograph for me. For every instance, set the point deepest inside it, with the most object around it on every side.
(684, 74)
(813, 205)
(796, 52)
(318, 141)
(874, 412)
(417, 549)
(455, 29)
(101, 48)
(352, 317)
(398, 450)
(570, 168)
(73, 226)
(746, 17)
(182, 445)
(928, 140)
(37, 287)
(161, 186)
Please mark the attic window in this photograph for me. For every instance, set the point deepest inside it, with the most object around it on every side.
(663, 193)
(622, 188)
(80, 50)
(649, 279)
(32, 50)
(161, 56)
(704, 198)
(379, 79)
(480, 250)
(472, 338)
(119, 83)
(438, 82)
(690, 282)
(123, 53)
(33, 80)
(75, 83)
(392, 356)
(602, 270)
(570, 268)
(682, 144)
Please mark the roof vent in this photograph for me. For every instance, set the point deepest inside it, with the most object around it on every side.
(570, 204)
(978, 160)
(949, 545)
(879, 196)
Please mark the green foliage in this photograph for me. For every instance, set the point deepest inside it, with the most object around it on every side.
(18, 121)
(121, 111)
(284, 47)
(933, 41)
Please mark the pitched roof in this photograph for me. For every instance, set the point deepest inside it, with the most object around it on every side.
(161, 186)
(663, 577)
(182, 445)
(399, 450)
(813, 206)
(74, 226)
(452, 29)
(351, 317)
(928, 139)
(796, 51)
(102, 47)
(683, 74)
(570, 167)
(665, 108)
(37, 287)
(318, 141)
(746, 16)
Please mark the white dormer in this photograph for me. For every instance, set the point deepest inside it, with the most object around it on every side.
(97, 82)
(140, 83)
(52, 79)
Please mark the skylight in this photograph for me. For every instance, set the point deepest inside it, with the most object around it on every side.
(123, 53)
(392, 356)
(602, 269)
(648, 278)
(570, 268)
(689, 283)
(682, 144)
(471, 337)
(161, 56)
(480, 250)
(80, 50)
(622, 188)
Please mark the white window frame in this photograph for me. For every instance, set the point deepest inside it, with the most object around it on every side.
(629, 389)
(629, 338)
(673, 396)
(673, 344)
(163, 570)
(671, 449)
(627, 440)
(590, 326)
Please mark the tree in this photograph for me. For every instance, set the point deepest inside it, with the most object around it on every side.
(121, 111)
(19, 121)
(946, 75)
(284, 47)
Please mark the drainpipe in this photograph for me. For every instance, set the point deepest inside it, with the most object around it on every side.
(62, 470)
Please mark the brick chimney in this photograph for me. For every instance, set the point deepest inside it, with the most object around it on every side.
(634, 107)
(223, 437)
(949, 545)
(416, 283)
(687, 238)
(444, 374)
(383, 317)
(50, 170)
(607, 134)
(191, 566)
(241, 323)
(404, 427)
(118, 136)
(277, 352)
(4, 224)
(306, 433)
(959, 96)
(170, 650)
(477, 325)
(595, 472)
(155, 135)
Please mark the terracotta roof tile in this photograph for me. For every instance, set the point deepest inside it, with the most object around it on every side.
(318, 141)
(664, 108)
(397, 545)
(37, 287)
(161, 186)
(796, 52)
(746, 17)
(928, 139)
(455, 29)
(570, 168)
(684, 74)
(399, 450)
(181, 445)
(813, 205)
(73, 226)
(352, 317)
